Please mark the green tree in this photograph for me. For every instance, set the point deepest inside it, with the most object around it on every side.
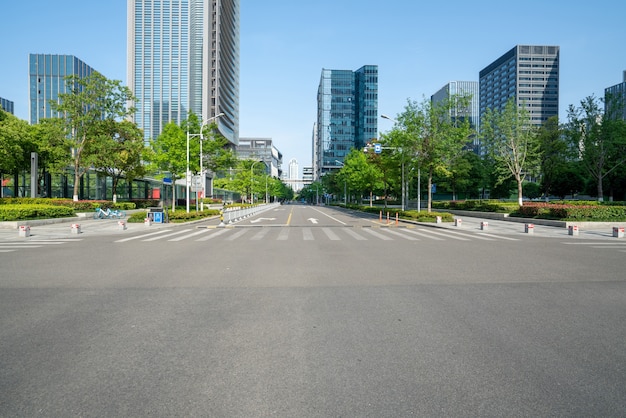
(554, 154)
(360, 175)
(600, 140)
(511, 141)
(169, 154)
(89, 101)
(119, 152)
(434, 136)
(13, 135)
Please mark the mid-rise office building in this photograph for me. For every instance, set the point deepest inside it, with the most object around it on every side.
(471, 112)
(347, 112)
(527, 73)
(7, 105)
(261, 149)
(615, 100)
(183, 55)
(47, 74)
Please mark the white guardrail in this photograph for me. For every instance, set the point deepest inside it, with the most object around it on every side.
(236, 214)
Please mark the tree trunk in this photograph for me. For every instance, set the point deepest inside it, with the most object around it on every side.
(76, 182)
(520, 192)
(600, 192)
(430, 190)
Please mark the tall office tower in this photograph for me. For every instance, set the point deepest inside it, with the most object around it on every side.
(183, 55)
(47, 74)
(462, 88)
(528, 73)
(347, 112)
(615, 100)
(293, 169)
(7, 105)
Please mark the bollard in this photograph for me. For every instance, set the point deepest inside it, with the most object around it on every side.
(380, 216)
(396, 218)
(121, 225)
(75, 229)
(387, 218)
(24, 231)
(573, 230)
(438, 219)
(484, 226)
(529, 228)
(618, 231)
(147, 222)
(458, 222)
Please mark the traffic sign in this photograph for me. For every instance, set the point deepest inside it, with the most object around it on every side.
(378, 148)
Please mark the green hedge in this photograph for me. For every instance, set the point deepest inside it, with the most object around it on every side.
(178, 216)
(25, 212)
(476, 205)
(80, 206)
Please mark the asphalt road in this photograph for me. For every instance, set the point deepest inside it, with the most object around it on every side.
(305, 311)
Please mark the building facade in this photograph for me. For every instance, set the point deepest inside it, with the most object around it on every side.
(347, 112)
(615, 100)
(47, 74)
(471, 113)
(183, 56)
(7, 105)
(261, 149)
(527, 73)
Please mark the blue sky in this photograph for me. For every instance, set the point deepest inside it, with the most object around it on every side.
(418, 46)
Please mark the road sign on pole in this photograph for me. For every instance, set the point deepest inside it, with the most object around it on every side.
(378, 148)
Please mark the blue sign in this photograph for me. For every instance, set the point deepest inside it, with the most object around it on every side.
(157, 217)
(167, 180)
(378, 148)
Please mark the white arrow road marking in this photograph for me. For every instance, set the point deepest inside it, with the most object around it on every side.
(313, 220)
(262, 219)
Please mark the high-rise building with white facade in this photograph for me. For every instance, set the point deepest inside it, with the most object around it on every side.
(529, 74)
(262, 149)
(471, 112)
(293, 169)
(183, 55)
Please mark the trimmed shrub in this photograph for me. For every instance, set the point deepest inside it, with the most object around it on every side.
(26, 211)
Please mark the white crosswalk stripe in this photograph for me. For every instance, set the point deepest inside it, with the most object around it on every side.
(11, 246)
(314, 233)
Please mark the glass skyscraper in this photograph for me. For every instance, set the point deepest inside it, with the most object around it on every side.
(347, 112)
(7, 105)
(615, 100)
(47, 74)
(183, 55)
(530, 74)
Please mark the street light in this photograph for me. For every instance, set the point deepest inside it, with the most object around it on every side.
(419, 174)
(188, 174)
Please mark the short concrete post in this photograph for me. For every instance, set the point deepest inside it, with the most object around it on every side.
(121, 225)
(529, 228)
(618, 231)
(484, 226)
(573, 230)
(75, 229)
(438, 219)
(458, 222)
(24, 231)
(147, 222)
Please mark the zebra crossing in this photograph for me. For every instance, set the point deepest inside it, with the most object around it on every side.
(311, 234)
(12, 246)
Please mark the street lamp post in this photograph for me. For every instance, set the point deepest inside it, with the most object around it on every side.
(252, 181)
(188, 174)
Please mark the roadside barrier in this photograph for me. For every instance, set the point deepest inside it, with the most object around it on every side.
(618, 231)
(484, 225)
(237, 214)
(458, 222)
(529, 228)
(573, 230)
(24, 231)
(75, 229)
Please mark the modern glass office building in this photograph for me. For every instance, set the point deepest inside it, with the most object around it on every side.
(471, 112)
(183, 55)
(47, 74)
(7, 105)
(347, 112)
(530, 74)
(615, 100)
